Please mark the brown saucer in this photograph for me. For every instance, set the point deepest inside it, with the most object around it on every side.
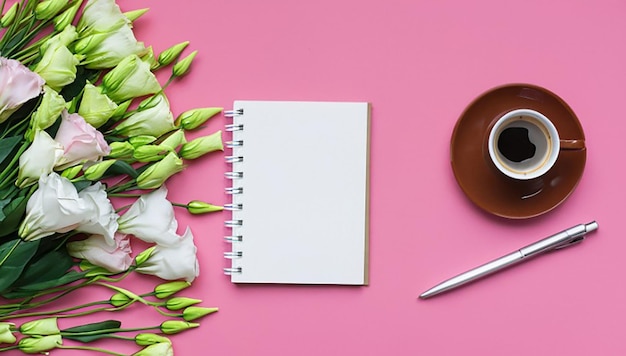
(490, 189)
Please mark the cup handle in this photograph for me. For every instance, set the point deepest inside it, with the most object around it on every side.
(572, 144)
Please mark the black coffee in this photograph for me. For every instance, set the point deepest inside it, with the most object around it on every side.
(515, 145)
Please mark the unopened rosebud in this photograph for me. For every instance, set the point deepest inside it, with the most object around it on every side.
(9, 16)
(161, 349)
(45, 326)
(178, 303)
(6, 333)
(66, 17)
(145, 339)
(143, 256)
(72, 172)
(199, 207)
(171, 54)
(141, 140)
(176, 326)
(159, 172)
(193, 118)
(96, 171)
(182, 67)
(119, 299)
(193, 313)
(47, 9)
(202, 145)
(121, 149)
(39, 344)
(165, 290)
(135, 14)
(174, 140)
(150, 153)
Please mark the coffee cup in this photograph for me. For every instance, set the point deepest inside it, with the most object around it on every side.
(524, 144)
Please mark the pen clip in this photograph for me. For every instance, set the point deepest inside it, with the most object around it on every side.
(575, 241)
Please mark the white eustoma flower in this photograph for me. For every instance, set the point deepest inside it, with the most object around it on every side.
(178, 261)
(104, 219)
(158, 349)
(57, 65)
(153, 118)
(99, 252)
(39, 159)
(151, 219)
(17, 85)
(101, 16)
(54, 207)
(107, 50)
(81, 141)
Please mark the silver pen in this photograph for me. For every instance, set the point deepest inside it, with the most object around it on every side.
(557, 241)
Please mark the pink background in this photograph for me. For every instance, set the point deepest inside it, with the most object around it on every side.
(419, 63)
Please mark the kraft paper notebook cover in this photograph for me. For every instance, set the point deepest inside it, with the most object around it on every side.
(299, 192)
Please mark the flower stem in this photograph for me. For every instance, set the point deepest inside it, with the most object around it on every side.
(9, 348)
(52, 312)
(90, 348)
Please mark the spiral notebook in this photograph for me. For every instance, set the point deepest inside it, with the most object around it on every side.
(299, 192)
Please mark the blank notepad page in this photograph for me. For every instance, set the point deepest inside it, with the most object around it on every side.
(300, 215)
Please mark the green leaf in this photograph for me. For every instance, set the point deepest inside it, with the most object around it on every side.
(7, 145)
(14, 256)
(81, 184)
(13, 213)
(27, 291)
(48, 268)
(121, 167)
(108, 327)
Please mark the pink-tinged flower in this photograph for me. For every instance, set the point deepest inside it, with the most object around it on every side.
(178, 261)
(54, 207)
(97, 251)
(151, 219)
(104, 219)
(18, 84)
(81, 141)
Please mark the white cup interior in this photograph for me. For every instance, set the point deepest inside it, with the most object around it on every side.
(523, 144)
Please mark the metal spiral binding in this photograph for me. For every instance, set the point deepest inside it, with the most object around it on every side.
(235, 206)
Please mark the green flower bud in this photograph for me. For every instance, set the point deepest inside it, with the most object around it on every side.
(96, 171)
(57, 65)
(49, 110)
(135, 14)
(178, 303)
(193, 313)
(150, 153)
(143, 256)
(119, 299)
(121, 149)
(6, 333)
(159, 172)
(93, 270)
(66, 17)
(150, 59)
(140, 140)
(191, 119)
(145, 339)
(182, 67)
(171, 54)
(202, 145)
(47, 9)
(121, 109)
(96, 108)
(176, 326)
(131, 78)
(72, 172)
(39, 344)
(165, 290)
(174, 140)
(9, 16)
(45, 326)
(199, 207)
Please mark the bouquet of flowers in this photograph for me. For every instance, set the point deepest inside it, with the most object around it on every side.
(84, 126)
